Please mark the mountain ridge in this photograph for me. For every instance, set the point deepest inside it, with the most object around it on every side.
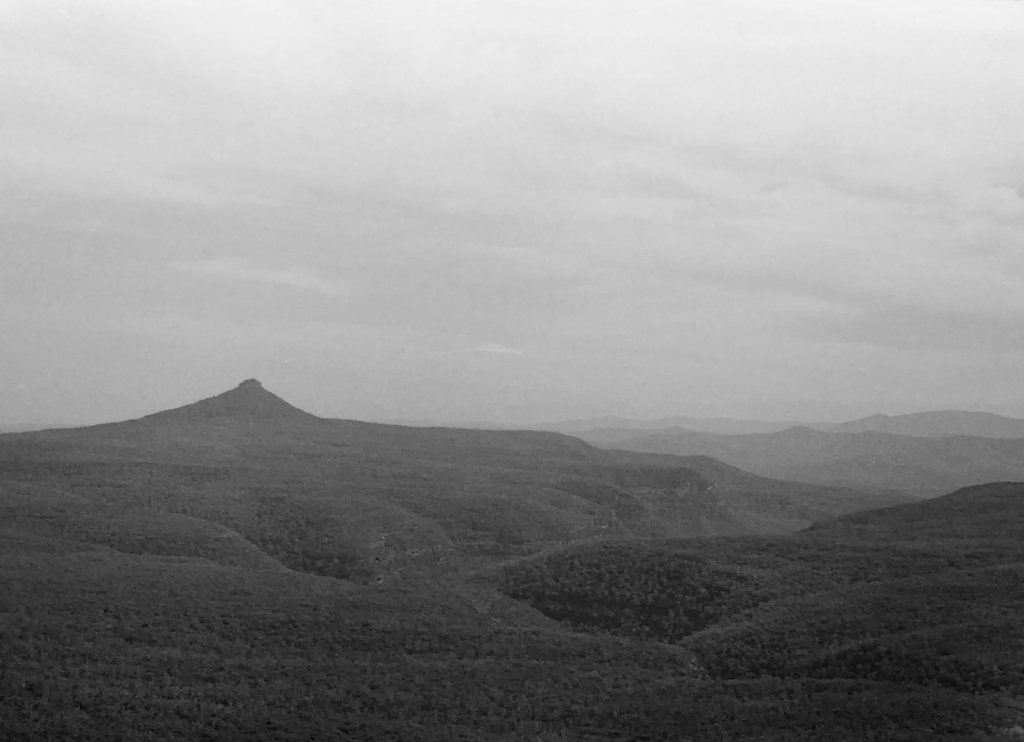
(607, 431)
(249, 401)
(867, 459)
(935, 424)
(316, 493)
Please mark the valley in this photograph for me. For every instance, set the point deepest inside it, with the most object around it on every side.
(454, 371)
(239, 568)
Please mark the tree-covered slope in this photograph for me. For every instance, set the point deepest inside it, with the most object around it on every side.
(924, 596)
(104, 645)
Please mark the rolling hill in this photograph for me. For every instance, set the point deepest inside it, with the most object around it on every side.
(923, 595)
(992, 513)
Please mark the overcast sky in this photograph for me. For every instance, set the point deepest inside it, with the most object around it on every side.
(512, 210)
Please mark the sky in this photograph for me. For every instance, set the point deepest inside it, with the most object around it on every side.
(512, 210)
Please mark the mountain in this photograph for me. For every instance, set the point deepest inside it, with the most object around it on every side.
(248, 402)
(363, 500)
(939, 424)
(609, 430)
(872, 460)
(240, 569)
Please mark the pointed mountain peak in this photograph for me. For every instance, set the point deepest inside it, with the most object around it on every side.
(248, 402)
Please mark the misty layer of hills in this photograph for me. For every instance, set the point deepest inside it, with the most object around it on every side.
(938, 424)
(238, 568)
(921, 454)
(930, 455)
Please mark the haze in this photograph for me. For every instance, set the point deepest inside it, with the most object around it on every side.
(513, 211)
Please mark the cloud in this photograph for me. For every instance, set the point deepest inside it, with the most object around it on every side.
(1006, 201)
(348, 92)
(610, 190)
(496, 349)
(239, 270)
(913, 328)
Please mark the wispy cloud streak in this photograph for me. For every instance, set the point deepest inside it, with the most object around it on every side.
(500, 350)
(233, 269)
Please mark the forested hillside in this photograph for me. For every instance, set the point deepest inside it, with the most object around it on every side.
(924, 596)
(239, 569)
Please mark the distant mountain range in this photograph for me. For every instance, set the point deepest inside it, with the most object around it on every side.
(925, 453)
(921, 454)
(936, 424)
(871, 459)
(940, 424)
